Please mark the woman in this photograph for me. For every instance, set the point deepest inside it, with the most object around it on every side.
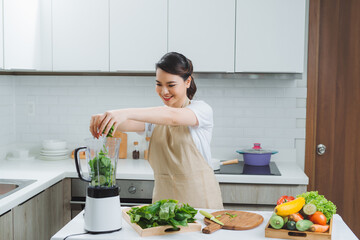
(179, 149)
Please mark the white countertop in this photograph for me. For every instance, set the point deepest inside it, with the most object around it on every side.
(76, 226)
(47, 173)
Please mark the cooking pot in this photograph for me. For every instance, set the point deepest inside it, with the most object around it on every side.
(257, 156)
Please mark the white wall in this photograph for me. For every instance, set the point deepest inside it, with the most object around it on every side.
(269, 109)
(7, 111)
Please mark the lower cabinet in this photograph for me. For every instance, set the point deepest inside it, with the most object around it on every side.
(41, 216)
(256, 196)
(6, 230)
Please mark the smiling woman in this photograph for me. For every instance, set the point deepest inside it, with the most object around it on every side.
(179, 149)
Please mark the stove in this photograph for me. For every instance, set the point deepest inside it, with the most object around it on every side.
(244, 169)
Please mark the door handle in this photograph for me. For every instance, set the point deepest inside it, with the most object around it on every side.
(320, 149)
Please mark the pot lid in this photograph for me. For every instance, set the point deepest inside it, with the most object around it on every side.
(257, 149)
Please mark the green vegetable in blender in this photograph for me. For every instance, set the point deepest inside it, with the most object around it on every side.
(163, 212)
(322, 204)
(110, 133)
(102, 170)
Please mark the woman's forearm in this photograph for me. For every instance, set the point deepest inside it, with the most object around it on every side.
(163, 115)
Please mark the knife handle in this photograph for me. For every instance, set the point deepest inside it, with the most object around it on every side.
(212, 227)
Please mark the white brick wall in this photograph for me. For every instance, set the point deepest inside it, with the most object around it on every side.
(269, 109)
(7, 112)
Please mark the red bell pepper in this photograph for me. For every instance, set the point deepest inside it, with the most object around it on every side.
(284, 199)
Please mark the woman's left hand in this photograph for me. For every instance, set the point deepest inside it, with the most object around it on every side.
(105, 121)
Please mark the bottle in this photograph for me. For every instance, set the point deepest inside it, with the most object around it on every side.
(146, 151)
(136, 153)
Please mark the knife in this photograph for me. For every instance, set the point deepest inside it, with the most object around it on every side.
(211, 217)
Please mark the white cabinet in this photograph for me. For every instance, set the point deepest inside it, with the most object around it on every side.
(1, 36)
(27, 34)
(204, 31)
(80, 35)
(138, 34)
(270, 35)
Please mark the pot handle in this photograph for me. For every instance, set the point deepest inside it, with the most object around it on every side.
(78, 165)
(234, 161)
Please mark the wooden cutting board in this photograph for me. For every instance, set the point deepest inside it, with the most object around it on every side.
(242, 221)
(123, 144)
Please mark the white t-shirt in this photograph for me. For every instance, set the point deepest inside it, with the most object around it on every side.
(202, 133)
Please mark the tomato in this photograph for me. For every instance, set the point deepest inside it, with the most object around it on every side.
(318, 218)
(284, 199)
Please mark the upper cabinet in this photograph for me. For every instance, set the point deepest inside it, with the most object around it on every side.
(138, 34)
(132, 35)
(1, 36)
(27, 34)
(80, 35)
(270, 35)
(204, 31)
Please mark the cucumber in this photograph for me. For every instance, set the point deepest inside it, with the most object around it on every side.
(286, 219)
(304, 225)
(309, 209)
(276, 222)
(291, 225)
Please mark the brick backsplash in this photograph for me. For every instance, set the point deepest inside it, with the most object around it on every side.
(247, 109)
(7, 109)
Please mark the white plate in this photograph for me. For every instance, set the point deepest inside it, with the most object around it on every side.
(54, 151)
(54, 154)
(53, 158)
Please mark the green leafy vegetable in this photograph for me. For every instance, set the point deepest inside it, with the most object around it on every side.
(102, 170)
(231, 215)
(163, 212)
(110, 133)
(322, 204)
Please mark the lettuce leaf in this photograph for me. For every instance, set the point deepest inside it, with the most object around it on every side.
(163, 212)
(322, 204)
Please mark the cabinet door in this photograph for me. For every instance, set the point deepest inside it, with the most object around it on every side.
(26, 219)
(138, 34)
(204, 31)
(43, 215)
(270, 35)
(1, 36)
(80, 35)
(6, 226)
(27, 34)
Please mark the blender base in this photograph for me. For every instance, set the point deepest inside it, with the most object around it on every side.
(102, 214)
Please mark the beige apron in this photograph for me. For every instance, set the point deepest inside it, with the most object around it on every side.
(180, 171)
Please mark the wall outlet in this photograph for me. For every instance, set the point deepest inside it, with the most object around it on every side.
(31, 108)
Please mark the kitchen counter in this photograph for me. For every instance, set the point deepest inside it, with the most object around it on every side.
(47, 173)
(76, 226)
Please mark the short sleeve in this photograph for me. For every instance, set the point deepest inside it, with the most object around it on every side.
(203, 112)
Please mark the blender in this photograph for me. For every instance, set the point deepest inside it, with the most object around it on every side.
(102, 205)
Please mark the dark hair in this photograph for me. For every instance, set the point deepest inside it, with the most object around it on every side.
(177, 64)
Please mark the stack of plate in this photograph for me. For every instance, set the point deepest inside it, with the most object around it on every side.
(53, 150)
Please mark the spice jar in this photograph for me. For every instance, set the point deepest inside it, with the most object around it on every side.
(136, 153)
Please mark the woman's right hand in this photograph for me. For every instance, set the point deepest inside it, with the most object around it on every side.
(101, 123)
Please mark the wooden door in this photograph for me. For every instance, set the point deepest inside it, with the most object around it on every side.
(333, 112)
